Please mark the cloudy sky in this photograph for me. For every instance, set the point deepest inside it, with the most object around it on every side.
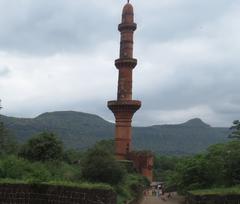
(59, 55)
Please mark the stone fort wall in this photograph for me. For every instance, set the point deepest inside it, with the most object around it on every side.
(213, 199)
(46, 194)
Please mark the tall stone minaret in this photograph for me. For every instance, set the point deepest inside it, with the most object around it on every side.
(124, 107)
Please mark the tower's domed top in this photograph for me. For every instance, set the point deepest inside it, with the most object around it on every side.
(128, 8)
(127, 14)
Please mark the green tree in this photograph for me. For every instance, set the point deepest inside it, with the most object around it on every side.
(163, 166)
(235, 130)
(224, 163)
(72, 156)
(193, 173)
(107, 145)
(100, 166)
(232, 163)
(43, 147)
(216, 159)
(219, 166)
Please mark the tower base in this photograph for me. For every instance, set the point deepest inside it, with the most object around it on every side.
(123, 112)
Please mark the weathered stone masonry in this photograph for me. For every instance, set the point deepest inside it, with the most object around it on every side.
(45, 194)
(213, 199)
(124, 107)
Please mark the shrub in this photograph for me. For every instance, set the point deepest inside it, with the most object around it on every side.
(72, 156)
(100, 166)
(38, 173)
(63, 171)
(14, 168)
(43, 147)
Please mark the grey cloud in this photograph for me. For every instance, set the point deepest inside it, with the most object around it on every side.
(48, 27)
(216, 89)
(186, 38)
(181, 20)
(196, 87)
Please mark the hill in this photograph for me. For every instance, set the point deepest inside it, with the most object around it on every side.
(187, 138)
(82, 130)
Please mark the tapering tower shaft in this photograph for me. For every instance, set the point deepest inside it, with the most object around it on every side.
(126, 63)
(124, 108)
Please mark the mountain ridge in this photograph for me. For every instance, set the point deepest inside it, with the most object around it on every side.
(82, 130)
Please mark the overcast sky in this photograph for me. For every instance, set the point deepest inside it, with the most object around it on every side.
(59, 55)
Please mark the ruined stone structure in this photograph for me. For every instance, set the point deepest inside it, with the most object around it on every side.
(124, 107)
(142, 163)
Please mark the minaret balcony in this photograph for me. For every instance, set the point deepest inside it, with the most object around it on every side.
(127, 26)
(126, 63)
(127, 108)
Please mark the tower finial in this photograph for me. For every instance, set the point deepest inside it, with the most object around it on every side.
(128, 1)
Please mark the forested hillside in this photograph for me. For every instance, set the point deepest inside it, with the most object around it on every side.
(81, 130)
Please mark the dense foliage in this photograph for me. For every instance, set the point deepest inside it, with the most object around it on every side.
(131, 187)
(42, 159)
(164, 166)
(13, 167)
(235, 130)
(107, 145)
(219, 166)
(43, 147)
(72, 156)
(99, 165)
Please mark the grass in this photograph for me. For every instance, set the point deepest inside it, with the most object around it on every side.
(12, 181)
(235, 190)
(83, 185)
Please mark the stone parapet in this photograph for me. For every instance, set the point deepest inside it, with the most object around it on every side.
(47, 194)
(212, 199)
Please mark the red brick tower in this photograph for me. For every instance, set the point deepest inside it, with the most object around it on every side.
(124, 107)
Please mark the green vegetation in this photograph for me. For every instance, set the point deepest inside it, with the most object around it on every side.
(99, 165)
(164, 167)
(218, 191)
(12, 167)
(76, 130)
(83, 185)
(107, 145)
(235, 130)
(7, 143)
(81, 131)
(218, 167)
(43, 160)
(72, 156)
(42, 147)
(131, 187)
(217, 170)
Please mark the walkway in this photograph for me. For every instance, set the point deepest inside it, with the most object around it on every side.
(175, 199)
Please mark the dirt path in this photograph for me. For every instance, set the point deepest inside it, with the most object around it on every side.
(163, 200)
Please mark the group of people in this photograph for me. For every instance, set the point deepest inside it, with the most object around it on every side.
(157, 191)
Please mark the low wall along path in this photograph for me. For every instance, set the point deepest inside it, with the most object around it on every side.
(46, 194)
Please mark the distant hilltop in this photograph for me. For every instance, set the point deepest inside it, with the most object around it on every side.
(196, 122)
(82, 130)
